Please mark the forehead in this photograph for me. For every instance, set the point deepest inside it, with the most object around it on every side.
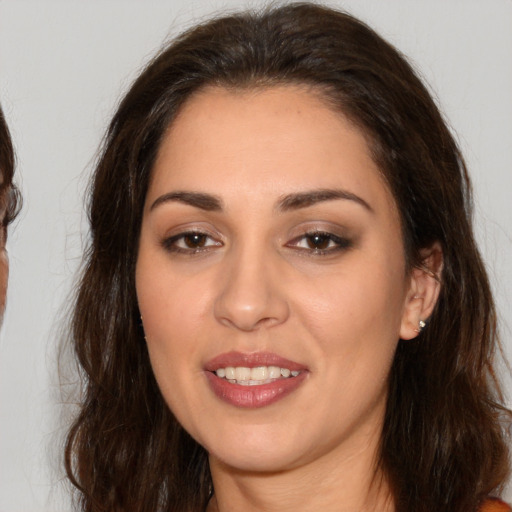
(284, 139)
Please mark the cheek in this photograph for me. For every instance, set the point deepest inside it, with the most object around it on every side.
(353, 300)
(354, 317)
(173, 314)
(169, 303)
(355, 324)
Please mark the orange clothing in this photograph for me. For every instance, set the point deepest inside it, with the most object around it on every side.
(495, 505)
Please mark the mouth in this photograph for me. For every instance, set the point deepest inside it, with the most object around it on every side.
(256, 376)
(253, 380)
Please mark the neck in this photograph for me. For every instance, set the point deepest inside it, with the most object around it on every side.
(353, 484)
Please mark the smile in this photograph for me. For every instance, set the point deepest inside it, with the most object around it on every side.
(253, 380)
(255, 376)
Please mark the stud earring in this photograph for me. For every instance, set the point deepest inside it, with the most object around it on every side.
(421, 326)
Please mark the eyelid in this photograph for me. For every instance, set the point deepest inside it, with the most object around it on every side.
(169, 241)
(181, 228)
(325, 227)
(341, 243)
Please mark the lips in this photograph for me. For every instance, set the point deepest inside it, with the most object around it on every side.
(253, 380)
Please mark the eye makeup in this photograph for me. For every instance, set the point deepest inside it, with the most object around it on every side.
(190, 242)
(320, 243)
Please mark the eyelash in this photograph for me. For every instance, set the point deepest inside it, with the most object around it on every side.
(171, 244)
(334, 243)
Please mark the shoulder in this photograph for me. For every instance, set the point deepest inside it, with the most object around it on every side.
(494, 505)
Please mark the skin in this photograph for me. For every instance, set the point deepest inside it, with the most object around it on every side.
(258, 281)
(5, 160)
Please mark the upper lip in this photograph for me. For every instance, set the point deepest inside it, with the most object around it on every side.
(251, 360)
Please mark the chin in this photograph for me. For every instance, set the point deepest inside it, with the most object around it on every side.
(255, 462)
(263, 451)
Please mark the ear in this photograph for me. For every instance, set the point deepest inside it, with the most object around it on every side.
(424, 288)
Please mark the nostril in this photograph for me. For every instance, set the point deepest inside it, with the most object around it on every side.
(247, 322)
(249, 295)
(249, 313)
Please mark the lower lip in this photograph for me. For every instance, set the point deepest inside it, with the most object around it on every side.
(252, 397)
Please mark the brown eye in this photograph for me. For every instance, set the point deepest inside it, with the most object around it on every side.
(190, 242)
(318, 241)
(194, 240)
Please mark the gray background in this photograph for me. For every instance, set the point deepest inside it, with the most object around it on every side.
(63, 67)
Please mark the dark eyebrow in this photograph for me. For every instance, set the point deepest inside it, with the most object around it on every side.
(200, 200)
(309, 198)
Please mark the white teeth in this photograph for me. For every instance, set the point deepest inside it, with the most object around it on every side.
(259, 373)
(252, 382)
(274, 372)
(242, 373)
(254, 376)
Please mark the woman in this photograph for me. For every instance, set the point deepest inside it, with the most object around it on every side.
(283, 306)
(9, 204)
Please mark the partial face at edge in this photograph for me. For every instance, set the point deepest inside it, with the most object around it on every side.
(6, 158)
(270, 239)
(4, 270)
(4, 260)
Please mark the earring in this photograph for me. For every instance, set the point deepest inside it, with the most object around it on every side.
(421, 326)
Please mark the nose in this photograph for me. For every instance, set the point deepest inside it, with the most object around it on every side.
(252, 295)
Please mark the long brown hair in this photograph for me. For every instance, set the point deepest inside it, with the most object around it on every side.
(444, 439)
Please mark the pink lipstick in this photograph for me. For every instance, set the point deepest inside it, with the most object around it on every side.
(253, 380)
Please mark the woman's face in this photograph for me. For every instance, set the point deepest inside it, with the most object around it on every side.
(271, 279)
